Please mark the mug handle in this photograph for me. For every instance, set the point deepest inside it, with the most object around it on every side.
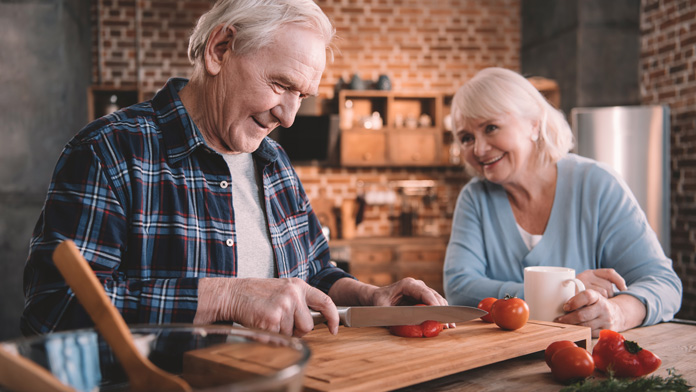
(579, 286)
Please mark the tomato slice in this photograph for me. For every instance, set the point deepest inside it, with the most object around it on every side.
(406, 331)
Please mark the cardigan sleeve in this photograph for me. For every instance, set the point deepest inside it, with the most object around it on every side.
(626, 242)
(466, 275)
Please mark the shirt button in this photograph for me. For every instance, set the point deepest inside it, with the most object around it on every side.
(229, 242)
(224, 184)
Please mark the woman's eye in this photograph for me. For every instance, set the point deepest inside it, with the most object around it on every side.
(466, 139)
(491, 128)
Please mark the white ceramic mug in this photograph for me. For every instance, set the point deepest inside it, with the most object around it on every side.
(546, 290)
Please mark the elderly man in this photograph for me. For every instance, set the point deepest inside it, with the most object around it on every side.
(183, 207)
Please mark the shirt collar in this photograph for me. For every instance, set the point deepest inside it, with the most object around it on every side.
(181, 136)
(179, 133)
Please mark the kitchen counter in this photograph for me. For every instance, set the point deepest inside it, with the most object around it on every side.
(674, 343)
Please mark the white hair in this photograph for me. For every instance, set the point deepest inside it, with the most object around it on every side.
(256, 23)
(498, 91)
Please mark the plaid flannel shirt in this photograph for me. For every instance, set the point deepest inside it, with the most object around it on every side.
(149, 205)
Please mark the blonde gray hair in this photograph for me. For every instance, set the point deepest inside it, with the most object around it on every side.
(498, 91)
(257, 22)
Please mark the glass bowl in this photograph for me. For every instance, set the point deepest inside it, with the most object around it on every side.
(210, 358)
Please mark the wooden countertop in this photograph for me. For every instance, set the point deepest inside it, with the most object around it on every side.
(674, 343)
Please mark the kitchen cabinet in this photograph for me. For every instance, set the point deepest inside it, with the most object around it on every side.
(382, 261)
(385, 128)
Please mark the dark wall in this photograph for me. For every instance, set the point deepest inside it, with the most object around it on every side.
(590, 47)
(44, 74)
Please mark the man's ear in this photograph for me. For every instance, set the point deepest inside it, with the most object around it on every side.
(219, 42)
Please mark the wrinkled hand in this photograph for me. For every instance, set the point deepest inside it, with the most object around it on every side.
(276, 305)
(601, 281)
(408, 291)
(591, 309)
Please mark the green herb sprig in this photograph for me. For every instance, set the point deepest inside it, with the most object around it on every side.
(673, 382)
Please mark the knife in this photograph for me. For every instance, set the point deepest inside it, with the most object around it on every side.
(384, 316)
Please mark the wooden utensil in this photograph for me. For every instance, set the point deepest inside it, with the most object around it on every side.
(20, 374)
(143, 375)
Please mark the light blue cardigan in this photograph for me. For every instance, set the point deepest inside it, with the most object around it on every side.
(595, 223)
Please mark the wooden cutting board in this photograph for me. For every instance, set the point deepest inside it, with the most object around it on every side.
(370, 359)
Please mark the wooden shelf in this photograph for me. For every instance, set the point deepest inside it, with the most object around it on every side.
(410, 133)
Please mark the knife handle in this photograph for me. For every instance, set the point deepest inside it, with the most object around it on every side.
(319, 318)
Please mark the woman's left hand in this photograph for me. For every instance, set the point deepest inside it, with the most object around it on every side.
(603, 281)
(591, 309)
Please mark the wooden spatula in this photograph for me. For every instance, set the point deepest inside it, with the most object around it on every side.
(21, 374)
(143, 375)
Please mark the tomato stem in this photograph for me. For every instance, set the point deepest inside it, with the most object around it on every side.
(632, 347)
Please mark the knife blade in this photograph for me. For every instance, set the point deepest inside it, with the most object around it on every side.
(384, 316)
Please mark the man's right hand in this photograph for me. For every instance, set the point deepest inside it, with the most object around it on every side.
(278, 305)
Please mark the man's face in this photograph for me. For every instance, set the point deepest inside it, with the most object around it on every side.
(255, 93)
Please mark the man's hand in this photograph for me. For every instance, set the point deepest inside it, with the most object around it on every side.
(407, 291)
(276, 305)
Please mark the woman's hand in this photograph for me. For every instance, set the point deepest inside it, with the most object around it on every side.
(592, 309)
(602, 281)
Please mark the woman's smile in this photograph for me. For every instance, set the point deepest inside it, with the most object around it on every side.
(491, 161)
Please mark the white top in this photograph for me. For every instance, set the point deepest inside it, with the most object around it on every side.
(254, 250)
(529, 239)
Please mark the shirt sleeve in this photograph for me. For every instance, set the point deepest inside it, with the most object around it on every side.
(81, 205)
(321, 273)
(466, 269)
(626, 243)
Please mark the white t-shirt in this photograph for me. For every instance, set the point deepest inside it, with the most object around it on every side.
(254, 250)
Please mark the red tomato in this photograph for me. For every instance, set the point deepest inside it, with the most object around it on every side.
(554, 347)
(510, 313)
(426, 329)
(486, 304)
(431, 328)
(625, 358)
(572, 363)
(407, 331)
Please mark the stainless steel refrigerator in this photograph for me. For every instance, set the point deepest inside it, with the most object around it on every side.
(635, 141)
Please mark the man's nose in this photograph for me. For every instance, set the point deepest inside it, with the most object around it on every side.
(286, 110)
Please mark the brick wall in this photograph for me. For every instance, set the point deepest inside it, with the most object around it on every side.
(668, 76)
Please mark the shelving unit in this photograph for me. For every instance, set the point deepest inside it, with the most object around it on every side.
(410, 132)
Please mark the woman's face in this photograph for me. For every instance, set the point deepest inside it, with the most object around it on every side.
(500, 149)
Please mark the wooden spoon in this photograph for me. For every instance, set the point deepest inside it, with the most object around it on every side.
(21, 374)
(142, 374)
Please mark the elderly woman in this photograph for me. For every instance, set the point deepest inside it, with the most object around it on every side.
(532, 203)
